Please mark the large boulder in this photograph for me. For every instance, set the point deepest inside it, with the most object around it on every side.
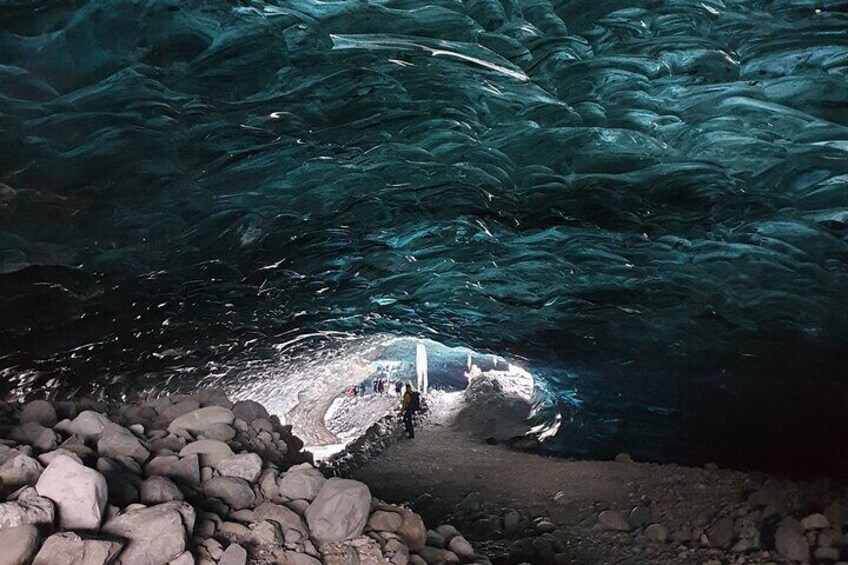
(18, 545)
(69, 548)
(87, 425)
(245, 466)
(39, 412)
(197, 420)
(36, 435)
(185, 470)
(301, 482)
(19, 470)
(117, 442)
(235, 493)
(412, 530)
(210, 451)
(791, 544)
(340, 511)
(157, 490)
(249, 410)
(385, 521)
(282, 516)
(155, 535)
(80, 493)
(28, 510)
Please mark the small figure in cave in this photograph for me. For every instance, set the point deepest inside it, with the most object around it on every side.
(381, 386)
(409, 406)
(398, 388)
(375, 385)
(351, 393)
(362, 389)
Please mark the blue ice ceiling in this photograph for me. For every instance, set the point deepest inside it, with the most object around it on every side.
(653, 189)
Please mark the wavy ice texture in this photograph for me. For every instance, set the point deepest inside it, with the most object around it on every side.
(652, 195)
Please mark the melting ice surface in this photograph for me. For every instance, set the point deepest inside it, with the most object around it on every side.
(642, 201)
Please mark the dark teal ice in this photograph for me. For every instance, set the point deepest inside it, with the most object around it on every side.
(647, 201)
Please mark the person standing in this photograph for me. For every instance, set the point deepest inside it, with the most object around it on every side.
(409, 406)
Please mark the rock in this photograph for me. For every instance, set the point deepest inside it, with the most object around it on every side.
(301, 482)
(18, 545)
(282, 516)
(611, 520)
(156, 490)
(249, 410)
(792, 545)
(115, 442)
(80, 493)
(545, 527)
(639, 516)
(512, 522)
(624, 458)
(460, 546)
(720, 533)
(36, 435)
(210, 451)
(197, 420)
(173, 444)
(471, 503)
(299, 506)
(184, 470)
(39, 412)
(221, 432)
(657, 533)
(234, 555)
(213, 397)
(448, 532)
(167, 413)
(185, 558)
(412, 530)
(435, 539)
(266, 534)
(154, 535)
(245, 466)
(815, 522)
(826, 554)
(235, 493)
(20, 470)
(269, 486)
(87, 425)
(383, 521)
(340, 511)
(32, 510)
(69, 548)
(435, 556)
(46, 458)
(233, 532)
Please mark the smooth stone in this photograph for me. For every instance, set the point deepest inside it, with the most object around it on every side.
(18, 545)
(36, 435)
(301, 481)
(460, 546)
(815, 522)
(235, 493)
(185, 470)
(116, 442)
(221, 432)
(412, 530)
(185, 558)
(46, 458)
(245, 466)
(87, 425)
(249, 410)
(20, 470)
(154, 535)
(234, 555)
(656, 532)
(80, 493)
(639, 516)
(156, 490)
(791, 545)
(69, 548)
(720, 534)
(340, 511)
(383, 521)
(32, 510)
(197, 420)
(210, 451)
(282, 516)
(611, 520)
(39, 412)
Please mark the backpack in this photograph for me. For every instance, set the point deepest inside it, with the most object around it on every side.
(414, 402)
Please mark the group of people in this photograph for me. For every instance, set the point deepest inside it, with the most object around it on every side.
(410, 403)
(378, 386)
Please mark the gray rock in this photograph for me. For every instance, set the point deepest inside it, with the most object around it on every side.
(266, 534)
(20, 470)
(460, 546)
(815, 522)
(249, 410)
(69, 548)
(385, 521)
(156, 490)
(184, 470)
(18, 545)
(172, 444)
(169, 412)
(80, 493)
(39, 412)
(202, 418)
(235, 493)
(285, 518)
(87, 425)
(116, 442)
(210, 451)
(639, 516)
(545, 527)
(720, 533)
(301, 482)
(826, 554)
(412, 530)
(657, 533)
(185, 558)
(340, 511)
(221, 432)
(36, 435)
(299, 506)
(611, 520)
(32, 510)
(435, 539)
(245, 466)
(791, 545)
(448, 532)
(154, 535)
(512, 522)
(46, 458)
(233, 532)
(213, 397)
(234, 555)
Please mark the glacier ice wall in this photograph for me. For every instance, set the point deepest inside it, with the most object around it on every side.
(654, 192)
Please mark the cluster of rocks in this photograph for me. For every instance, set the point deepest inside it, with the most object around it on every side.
(765, 526)
(189, 480)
